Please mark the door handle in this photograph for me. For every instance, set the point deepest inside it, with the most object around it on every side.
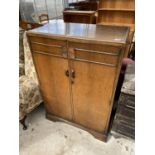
(67, 73)
(73, 73)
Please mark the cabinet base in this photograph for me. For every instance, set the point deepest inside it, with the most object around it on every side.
(103, 137)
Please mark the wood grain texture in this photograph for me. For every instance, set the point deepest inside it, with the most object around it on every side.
(92, 91)
(122, 4)
(84, 94)
(57, 50)
(127, 50)
(130, 37)
(95, 53)
(74, 12)
(94, 85)
(85, 5)
(54, 84)
(87, 33)
(116, 16)
(117, 13)
(72, 16)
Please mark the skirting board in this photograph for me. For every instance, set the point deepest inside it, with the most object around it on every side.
(102, 137)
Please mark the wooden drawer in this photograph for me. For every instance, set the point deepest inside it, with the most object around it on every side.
(94, 53)
(78, 19)
(50, 46)
(47, 41)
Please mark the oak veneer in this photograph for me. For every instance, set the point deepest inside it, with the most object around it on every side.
(54, 85)
(78, 67)
(122, 4)
(118, 13)
(124, 17)
(73, 16)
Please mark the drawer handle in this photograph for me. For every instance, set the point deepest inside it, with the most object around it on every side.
(67, 73)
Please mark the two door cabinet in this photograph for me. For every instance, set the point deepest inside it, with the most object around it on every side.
(78, 67)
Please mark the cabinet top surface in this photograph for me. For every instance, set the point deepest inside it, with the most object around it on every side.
(93, 32)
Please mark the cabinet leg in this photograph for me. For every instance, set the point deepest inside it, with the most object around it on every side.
(23, 123)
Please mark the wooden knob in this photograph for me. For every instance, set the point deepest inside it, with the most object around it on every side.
(67, 73)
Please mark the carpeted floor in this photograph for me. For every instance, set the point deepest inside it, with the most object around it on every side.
(44, 137)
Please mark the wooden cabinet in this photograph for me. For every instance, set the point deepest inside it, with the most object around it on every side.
(76, 16)
(78, 72)
(118, 13)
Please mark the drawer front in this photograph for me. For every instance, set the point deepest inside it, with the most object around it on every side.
(77, 18)
(94, 53)
(49, 46)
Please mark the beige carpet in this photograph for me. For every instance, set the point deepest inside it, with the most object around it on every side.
(45, 137)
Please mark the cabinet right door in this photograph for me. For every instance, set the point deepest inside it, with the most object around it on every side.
(92, 89)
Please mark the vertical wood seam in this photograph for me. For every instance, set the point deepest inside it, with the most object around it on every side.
(70, 84)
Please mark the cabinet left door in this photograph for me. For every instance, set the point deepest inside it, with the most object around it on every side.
(51, 67)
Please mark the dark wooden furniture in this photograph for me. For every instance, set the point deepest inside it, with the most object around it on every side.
(124, 122)
(81, 12)
(78, 67)
(75, 16)
(88, 5)
(118, 13)
(43, 18)
(28, 26)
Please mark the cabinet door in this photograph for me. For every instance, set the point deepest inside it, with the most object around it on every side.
(92, 89)
(54, 84)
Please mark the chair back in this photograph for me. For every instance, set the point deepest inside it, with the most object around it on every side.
(43, 18)
(30, 71)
